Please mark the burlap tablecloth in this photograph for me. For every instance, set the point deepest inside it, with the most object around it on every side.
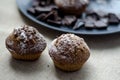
(103, 64)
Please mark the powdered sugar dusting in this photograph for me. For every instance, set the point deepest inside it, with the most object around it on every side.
(23, 35)
(66, 43)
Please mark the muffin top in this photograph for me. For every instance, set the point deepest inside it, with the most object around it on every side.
(25, 40)
(69, 48)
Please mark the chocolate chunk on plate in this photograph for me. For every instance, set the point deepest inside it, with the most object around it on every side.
(41, 17)
(90, 12)
(113, 19)
(69, 20)
(100, 24)
(52, 15)
(55, 23)
(44, 2)
(101, 14)
(32, 11)
(118, 16)
(89, 25)
(35, 3)
(42, 9)
(79, 23)
(46, 9)
(93, 14)
(90, 19)
(105, 20)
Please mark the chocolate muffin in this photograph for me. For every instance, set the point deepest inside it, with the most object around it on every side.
(74, 7)
(69, 52)
(25, 43)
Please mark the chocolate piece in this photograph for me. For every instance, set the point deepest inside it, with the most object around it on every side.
(46, 9)
(32, 11)
(113, 19)
(101, 14)
(56, 23)
(57, 18)
(44, 2)
(91, 13)
(41, 17)
(96, 14)
(53, 7)
(118, 16)
(43, 10)
(48, 2)
(100, 24)
(51, 15)
(105, 20)
(69, 20)
(89, 19)
(35, 3)
(89, 24)
(78, 24)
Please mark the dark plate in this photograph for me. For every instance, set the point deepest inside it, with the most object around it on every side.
(109, 6)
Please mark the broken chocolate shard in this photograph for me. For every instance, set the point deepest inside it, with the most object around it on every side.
(46, 9)
(100, 24)
(56, 16)
(44, 2)
(69, 20)
(89, 19)
(79, 23)
(55, 23)
(41, 17)
(48, 2)
(105, 20)
(35, 3)
(92, 14)
(113, 19)
(32, 11)
(50, 15)
(102, 14)
(42, 10)
(89, 25)
(118, 16)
